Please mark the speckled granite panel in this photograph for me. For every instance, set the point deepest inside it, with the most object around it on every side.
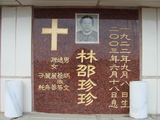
(85, 78)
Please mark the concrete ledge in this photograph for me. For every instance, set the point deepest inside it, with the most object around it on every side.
(50, 116)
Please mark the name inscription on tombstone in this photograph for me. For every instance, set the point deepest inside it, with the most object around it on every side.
(84, 59)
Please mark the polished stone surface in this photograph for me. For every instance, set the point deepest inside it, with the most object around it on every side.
(13, 98)
(85, 78)
(138, 99)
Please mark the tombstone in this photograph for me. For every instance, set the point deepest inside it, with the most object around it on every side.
(83, 71)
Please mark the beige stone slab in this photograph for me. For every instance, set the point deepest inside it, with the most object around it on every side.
(50, 116)
(63, 116)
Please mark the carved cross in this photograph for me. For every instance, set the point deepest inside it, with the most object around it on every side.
(54, 30)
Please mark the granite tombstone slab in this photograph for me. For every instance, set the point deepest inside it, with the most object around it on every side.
(85, 73)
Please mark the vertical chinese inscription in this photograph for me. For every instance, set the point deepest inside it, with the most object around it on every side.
(57, 78)
(86, 85)
(119, 69)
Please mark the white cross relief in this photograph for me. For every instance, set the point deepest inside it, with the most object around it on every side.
(54, 30)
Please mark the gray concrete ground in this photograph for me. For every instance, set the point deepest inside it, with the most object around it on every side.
(48, 116)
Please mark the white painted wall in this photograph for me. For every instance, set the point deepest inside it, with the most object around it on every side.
(158, 43)
(16, 51)
(151, 56)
